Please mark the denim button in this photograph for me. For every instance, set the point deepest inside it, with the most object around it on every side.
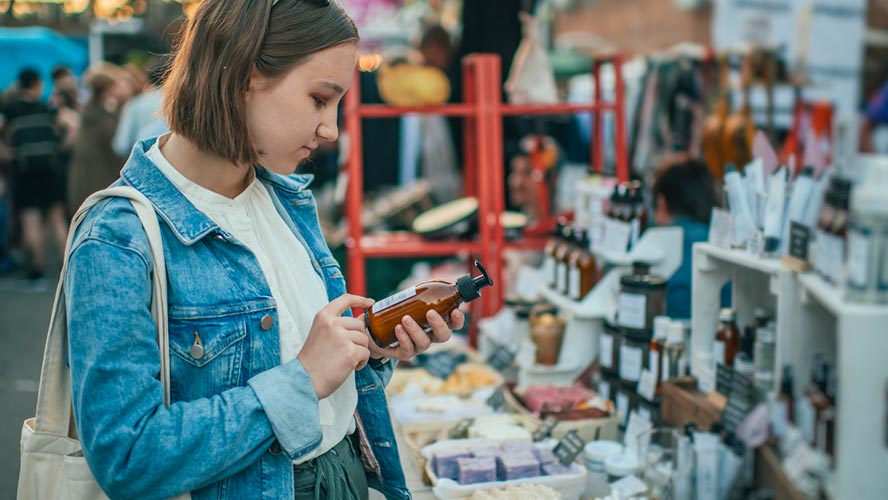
(266, 322)
(275, 448)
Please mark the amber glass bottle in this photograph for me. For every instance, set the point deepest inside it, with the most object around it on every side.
(583, 269)
(727, 338)
(550, 269)
(442, 296)
(561, 261)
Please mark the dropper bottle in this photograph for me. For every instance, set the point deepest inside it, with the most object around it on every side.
(442, 296)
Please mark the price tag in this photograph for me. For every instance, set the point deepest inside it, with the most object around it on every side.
(461, 429)
(616, 236)
(628, 487)
(442, 364)
(569, 447)
(545, 429)
(755, 245)
(799, 239)
(721, 228)
(501, 358)
(724, 376)
(497, 399)
(647, 385)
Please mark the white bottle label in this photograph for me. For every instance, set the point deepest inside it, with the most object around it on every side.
(561, 284)
(630, 363)
(549, 270)
(654, 363)
(574, 283)
(718, 353)
(664, 367)
(606, 351)
(393, 299)
(858, 259)
(631, 310)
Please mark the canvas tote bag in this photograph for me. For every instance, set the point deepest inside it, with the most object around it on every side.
(52, 462)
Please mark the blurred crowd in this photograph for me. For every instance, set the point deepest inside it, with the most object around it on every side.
(55, 152)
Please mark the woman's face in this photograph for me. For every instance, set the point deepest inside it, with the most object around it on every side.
(290, 117)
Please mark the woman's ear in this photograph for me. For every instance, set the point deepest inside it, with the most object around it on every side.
(661, 215)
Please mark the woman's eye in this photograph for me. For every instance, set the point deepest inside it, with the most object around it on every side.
(320, 103)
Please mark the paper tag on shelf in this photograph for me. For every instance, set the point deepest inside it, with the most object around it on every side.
(721, 228)
(569, 447)
(647, 385)
(755, 245)
(637, 436)
(616, 236)
(606, 350)
(628, 487)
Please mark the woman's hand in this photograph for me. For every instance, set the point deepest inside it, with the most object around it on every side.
(412, 340)
(336, 345)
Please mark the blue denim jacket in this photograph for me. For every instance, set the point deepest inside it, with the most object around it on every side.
(238, 416)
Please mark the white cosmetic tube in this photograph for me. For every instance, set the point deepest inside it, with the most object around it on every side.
(743, 223)
(755, 188)
(802, 188)
(774, 211)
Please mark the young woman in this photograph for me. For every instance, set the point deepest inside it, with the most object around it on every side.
(276, 391)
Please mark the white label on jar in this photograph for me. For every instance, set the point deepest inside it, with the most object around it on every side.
(561, 284)
(632, 310)
(630, 363)
(654, 363)
(604, 389)
(606, 351)
(664, 367)
(647, 386)
(549, 270)
(574, 283)
(393, 299)
(858, 259)
(718, 353)
(622, 406)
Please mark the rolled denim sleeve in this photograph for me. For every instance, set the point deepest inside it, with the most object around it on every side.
(135, 446)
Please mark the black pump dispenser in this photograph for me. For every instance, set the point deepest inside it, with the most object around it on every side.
(469, 287)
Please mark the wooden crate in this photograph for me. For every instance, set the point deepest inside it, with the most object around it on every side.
(769, 473)
(683, 403)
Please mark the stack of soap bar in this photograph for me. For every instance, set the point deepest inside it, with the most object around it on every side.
(545, 456)
(476, 470)
(444, 462)
(517, 466)
(556, 468)
(518, 447)
(485, 451)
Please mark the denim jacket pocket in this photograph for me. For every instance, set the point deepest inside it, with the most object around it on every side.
(207, 355)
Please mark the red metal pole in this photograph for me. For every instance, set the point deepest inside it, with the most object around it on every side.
(620, 120)
(497, 178)
(470, 124)
(357, 272)
(597, 120)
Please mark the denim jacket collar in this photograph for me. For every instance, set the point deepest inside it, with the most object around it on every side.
(187, 222)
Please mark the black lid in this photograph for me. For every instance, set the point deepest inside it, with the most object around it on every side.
(470, 288)
(641, 277)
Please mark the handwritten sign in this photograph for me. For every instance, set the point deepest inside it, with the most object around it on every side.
(570, 446)
(545, 429)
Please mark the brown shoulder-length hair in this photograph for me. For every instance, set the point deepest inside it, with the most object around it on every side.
(205, 89)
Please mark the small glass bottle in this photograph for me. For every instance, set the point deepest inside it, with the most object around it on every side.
(727, 338)
(675, 352)
(549, 268)
(561, 262)
(583, 269)
(442, 296)
(765, 349)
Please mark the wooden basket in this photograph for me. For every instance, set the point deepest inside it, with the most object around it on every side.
(589, 429)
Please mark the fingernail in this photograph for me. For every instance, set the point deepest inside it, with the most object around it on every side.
(407, 320)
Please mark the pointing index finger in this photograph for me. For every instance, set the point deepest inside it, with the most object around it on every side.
(347, 301)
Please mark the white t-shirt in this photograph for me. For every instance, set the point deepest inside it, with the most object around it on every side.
(297, 289)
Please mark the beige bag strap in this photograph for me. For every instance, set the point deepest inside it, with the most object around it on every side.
(54, 393)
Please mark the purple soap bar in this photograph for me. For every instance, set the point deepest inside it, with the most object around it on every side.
(485, 451)
(517, 466)
(555, 469)
(545, 456)
(476, 470)
(444, 461)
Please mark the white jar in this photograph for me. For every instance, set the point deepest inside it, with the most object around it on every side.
(595, 453)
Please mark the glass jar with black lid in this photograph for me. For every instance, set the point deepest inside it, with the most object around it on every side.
(642, 298)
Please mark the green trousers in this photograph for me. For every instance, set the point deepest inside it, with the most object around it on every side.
(335, 475)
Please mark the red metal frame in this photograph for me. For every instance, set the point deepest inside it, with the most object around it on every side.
(483, 112)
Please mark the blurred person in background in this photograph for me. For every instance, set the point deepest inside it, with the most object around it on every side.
(684, 195)
(95, 165)
(140, 118)
(31, 129)
(64, 88)
(64, 100)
